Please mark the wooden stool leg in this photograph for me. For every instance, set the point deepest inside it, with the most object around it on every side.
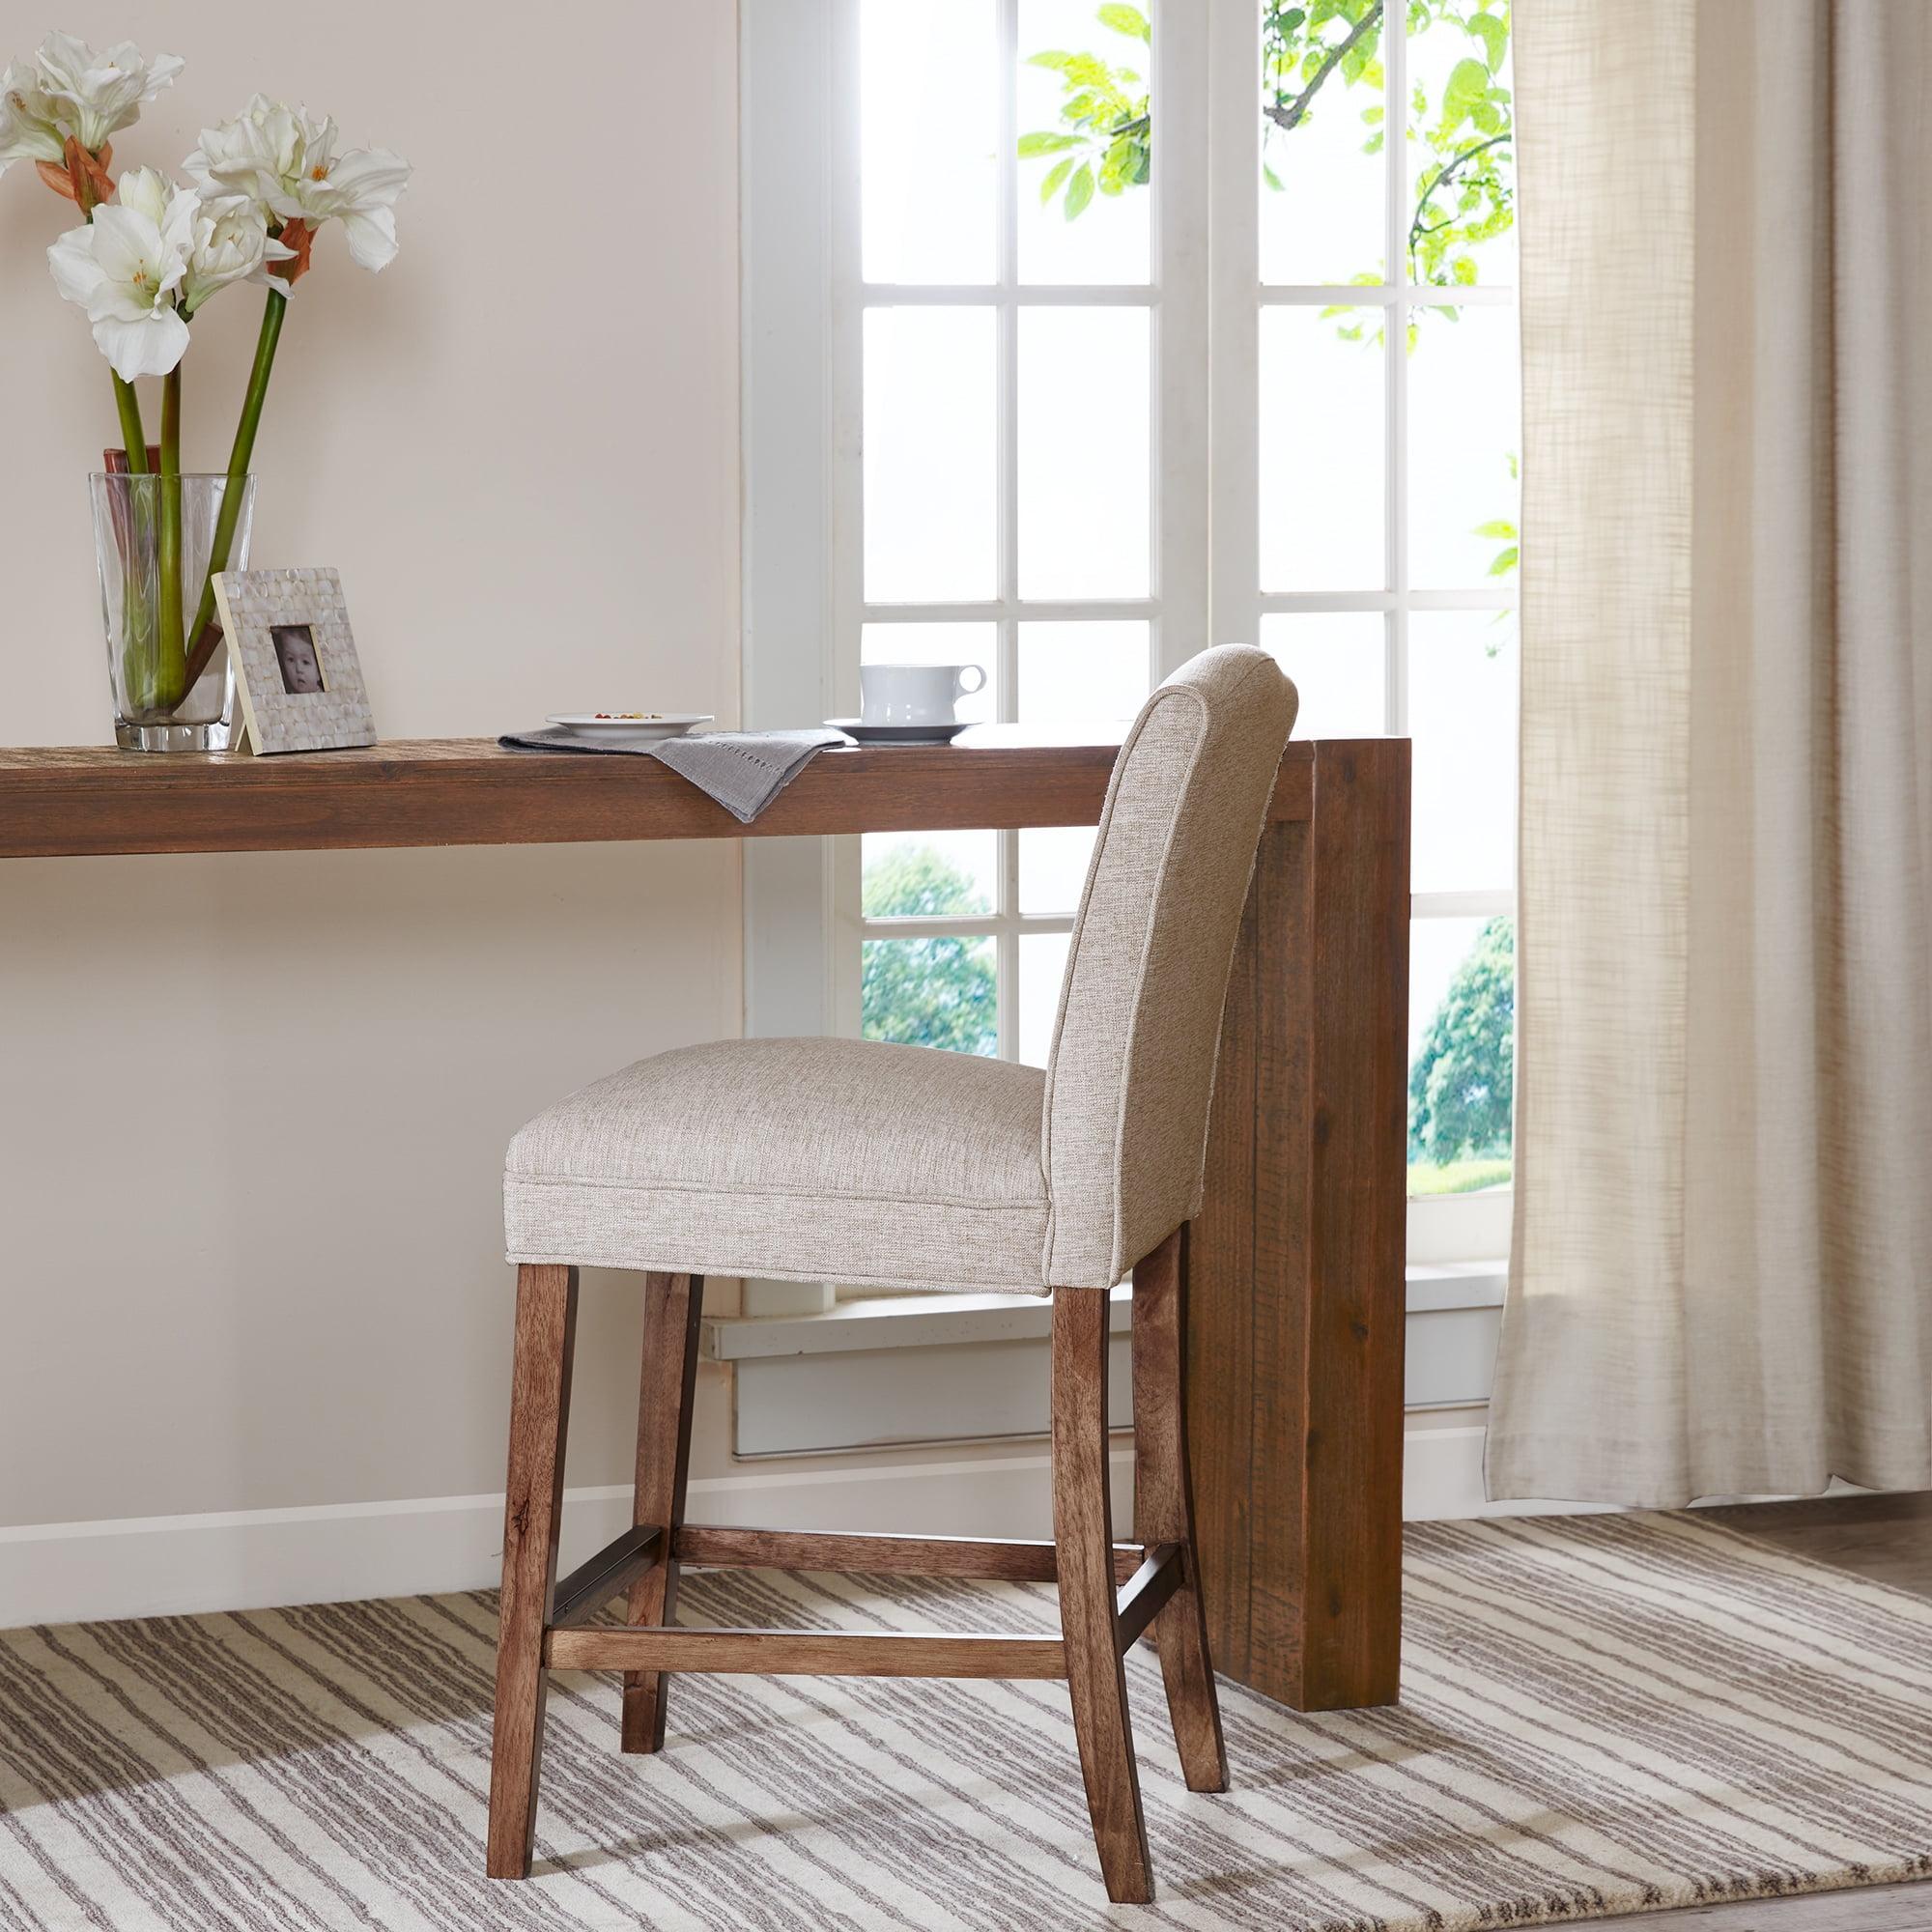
(533, 1506)
(1083, 1537)
(1164, 1507)
(672, 1306)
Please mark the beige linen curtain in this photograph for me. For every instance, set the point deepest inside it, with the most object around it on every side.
(1722, 1279)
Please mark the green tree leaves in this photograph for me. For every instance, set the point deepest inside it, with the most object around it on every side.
(1311, 52)
(1303, 48)
(919, 882)
(1466, 95)
(1463, 1086)
(1129, 21)
(939, 991)
(931, 992)
(1492, 30)
(1463, 188)
(1501, 531)
(1105, 135)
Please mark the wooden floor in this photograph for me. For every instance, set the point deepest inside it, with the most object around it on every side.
(1890, 1539)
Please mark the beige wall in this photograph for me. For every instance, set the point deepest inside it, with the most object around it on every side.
(252, 1108)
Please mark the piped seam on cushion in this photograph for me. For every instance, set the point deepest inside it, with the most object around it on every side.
(767, 1272)
(1029, 1205)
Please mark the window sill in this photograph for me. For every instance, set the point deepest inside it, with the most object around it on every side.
(941, 1320)
(1440, 1288)
(898, 1370)
(891, 1321)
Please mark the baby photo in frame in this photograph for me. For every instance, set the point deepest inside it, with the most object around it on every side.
(296, 670)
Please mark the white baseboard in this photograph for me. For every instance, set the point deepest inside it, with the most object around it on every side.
(1442, 1479)
(253, 1559)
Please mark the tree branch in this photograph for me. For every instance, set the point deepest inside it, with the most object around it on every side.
(1289, 116)
(1445, 174)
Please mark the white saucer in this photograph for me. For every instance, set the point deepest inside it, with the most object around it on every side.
(896, 734)
(613, 730)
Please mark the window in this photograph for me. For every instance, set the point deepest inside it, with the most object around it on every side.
(1006, 433)
(1007, 512)
(1144, 333)
(1386, 485)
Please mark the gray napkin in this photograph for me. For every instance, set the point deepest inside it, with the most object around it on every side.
(744, 771)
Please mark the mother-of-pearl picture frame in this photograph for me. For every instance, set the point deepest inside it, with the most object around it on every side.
(296, 670)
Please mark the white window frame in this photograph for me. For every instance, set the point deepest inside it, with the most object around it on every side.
(1441, 1229)
(804, 601)
(1175, 610)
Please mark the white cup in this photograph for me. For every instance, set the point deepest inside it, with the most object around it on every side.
(916, 694)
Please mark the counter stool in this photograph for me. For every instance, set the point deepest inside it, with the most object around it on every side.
(906, 1168)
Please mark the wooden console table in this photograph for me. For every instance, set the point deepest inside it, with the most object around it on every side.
(1295, 1333)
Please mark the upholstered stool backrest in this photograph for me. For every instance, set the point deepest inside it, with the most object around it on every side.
(1132, 1069)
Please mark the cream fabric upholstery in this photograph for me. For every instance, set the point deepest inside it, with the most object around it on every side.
(898, 1166)
(1132, 1069)
(797, 1159)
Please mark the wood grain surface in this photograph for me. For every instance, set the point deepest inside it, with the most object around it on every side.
(1088, 1605)
(1296, 1310)
(672, 1305)
(1294, 1333)
(78, 802)
(1164, 1506)
(782, 1653)
(874, 1554)
(580, 1596)
(532, 1517)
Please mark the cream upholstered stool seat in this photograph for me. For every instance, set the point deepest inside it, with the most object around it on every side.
(903, 1167)
(796, 1159)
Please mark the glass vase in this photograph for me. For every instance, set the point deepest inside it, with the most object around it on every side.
(152, 536)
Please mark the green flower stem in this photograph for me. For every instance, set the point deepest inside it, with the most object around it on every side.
(170, 666)
(205, 632)
(140, 673)
(135, 532)
(132, 435)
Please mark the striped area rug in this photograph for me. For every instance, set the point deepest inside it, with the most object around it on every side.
(1599, 1715)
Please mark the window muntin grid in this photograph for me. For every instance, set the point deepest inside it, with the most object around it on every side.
(1368, 654)
(1021, 313)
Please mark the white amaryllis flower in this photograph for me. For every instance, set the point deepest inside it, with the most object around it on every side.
(126, 269)
(359, 191)
(257, 154)
(287, 161)
(232, 244)
(96, 94)
(29, 121)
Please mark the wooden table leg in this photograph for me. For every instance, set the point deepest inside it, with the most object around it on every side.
(1295, 1321)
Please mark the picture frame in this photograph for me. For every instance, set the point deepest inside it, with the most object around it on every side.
(296, 675)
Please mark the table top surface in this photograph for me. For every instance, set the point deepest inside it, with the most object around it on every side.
(66, 801)
(18, 763)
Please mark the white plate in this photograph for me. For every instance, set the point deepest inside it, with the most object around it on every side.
(614, 730)
(896, 734)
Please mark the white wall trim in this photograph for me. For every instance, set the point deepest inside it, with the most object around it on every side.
(1443, 1477)
(841, 1378)
(251, 1559)
(893, 1321)
(929, 1320)
(334, 1553)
